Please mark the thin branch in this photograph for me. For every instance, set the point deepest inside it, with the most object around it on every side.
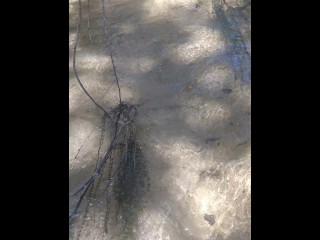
(78, 204)
(108, 46)
(84, 143)
(135, 150)
(104, 12)
(88, 183)
(103, 130)
(74, 64)
(115, 74)
(116, 126)
(89, 32)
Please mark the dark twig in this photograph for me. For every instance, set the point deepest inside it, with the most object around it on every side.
(89, 32)
(115, 74)
(74, 64)
(108, 46)
(103, 130)
(121, 117)
(71, 216)
(89, 182)
(84, 143)
(141, 104)
(86, 213)
(104, 12)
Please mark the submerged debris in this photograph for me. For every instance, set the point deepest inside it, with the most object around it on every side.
(119, 179)
(211, 139)
(211, 174)
(210, 219)
(226, 90)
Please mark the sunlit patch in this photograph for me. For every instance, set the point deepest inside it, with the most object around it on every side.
(81, 141)
(202, 43)
(208, 114)
(226, 195)
(162, 7)
(151, 225)
(72, 5)
(214, 78)
(228, 198)
(72, 37)
(126, 28)
(93, 62)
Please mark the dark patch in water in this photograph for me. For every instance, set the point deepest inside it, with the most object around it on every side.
(210, 219)
(226, 90)
(211, 139)
(211, 173)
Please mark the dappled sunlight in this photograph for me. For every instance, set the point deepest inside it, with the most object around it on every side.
(163, 7)
(205, 187)
(83, 143)
(72, 37)
(223, 191)
(73, 7)
(194, 128)
(95, 71)
(207, 114)
(93, 62)
(202, 43)
(214, 78)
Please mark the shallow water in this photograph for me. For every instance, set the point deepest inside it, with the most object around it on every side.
(191, 60)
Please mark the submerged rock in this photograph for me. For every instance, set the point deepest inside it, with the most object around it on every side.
(210, 219)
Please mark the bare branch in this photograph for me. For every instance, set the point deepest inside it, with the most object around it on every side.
(89, 32)
(74, 64)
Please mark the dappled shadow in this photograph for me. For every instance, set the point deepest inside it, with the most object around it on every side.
(234, 41)
(149, 68)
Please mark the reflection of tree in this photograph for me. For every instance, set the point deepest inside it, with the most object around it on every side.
(234, 41)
